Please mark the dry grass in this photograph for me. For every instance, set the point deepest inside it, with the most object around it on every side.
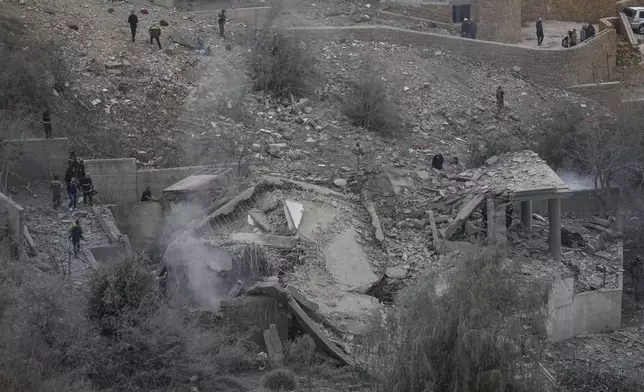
(467, 339)
(369, 106)
(279, 380)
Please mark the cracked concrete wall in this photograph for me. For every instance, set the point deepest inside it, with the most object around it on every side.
(141, 222)
(571, 314)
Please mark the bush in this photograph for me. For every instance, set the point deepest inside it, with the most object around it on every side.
(557, 144)
(116, 292)
(368, 105)
(493, 146)
(469, 338)
(281, 65)
(299, 352)
(235, 357)
(280, 380)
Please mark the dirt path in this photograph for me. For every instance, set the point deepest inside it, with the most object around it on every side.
(49, 229)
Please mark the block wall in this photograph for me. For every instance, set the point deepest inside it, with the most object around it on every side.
(606, 94)
(438, 12)
(568, 10)
(590, 62)
(114, 179)
(499, 20)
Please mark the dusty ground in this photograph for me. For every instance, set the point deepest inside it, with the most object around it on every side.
(553, 31)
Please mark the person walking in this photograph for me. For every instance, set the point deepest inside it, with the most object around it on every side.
(133, 21)
(46, 121)
(56, 189)
(87, 188)
(155, 33)
(539, 31)
(76, 234)
(221, 20)
(72, 192)
(358, 151)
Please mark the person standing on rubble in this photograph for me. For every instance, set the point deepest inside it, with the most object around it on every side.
(72, 192)
(155, 33)
(465, 28)
(133, 21)
(221, 20)
(46, 121)
(86, 187)
(500, 98)
(76, 234)
(358, 151)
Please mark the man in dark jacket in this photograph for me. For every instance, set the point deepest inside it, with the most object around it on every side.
(80, 169)
(76, 234)
(539, 31)
(465, 28)
(72, 192)
(87, 188)
(46, 121)
(221, 20)
(133, 21)
(473, 29)
(155, 33)
(590, 31)
(147, 195)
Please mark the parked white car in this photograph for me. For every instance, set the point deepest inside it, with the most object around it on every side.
(635, 16)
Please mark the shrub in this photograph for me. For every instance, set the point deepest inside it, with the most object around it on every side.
(557, 144)
(494, 146)
(584, 378)
(468, 338)
(299, 352)
(280, 380)
(368, 105)
(116, 291)
(281, 65)
(235, 357)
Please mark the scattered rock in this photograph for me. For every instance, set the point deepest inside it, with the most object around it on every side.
(395, 273)
(340, 182)
(423, 175)
(256, 147)
(516, 69)
(492, 160)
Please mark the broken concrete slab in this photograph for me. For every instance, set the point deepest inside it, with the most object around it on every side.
(281, 182)
(268, 240)
(31, 244)
(348, 263)
(321, 340)
(302, 300)
(398, 179)
(463, 215)
(293, 211)
(230, 206)
(432, 223)
(396, 273)
(259, 218)
(273, 346)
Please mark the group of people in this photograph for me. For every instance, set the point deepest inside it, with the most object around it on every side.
(468, 29)
(155, 29)
(76, 180)
(570, 40)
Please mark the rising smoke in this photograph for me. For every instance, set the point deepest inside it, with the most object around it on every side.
(193, 265)
(575, 181)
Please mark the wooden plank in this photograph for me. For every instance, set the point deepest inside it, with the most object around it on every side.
(463, 214)
(432, 224)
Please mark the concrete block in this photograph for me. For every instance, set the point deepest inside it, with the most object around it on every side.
(293, 211)
(268, 240)
(259, 218)
(109, 254)
(273, 345)
(141, 222)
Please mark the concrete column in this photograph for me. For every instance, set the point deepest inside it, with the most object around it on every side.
(526, 215)
(554, 216)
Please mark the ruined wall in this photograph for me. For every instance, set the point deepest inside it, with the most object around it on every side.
(114, 179)
(159, 179)
(108, 254)
(40, 159)
(589, 62)
(453, 28)
(12, 218)
(499, 20)
(607, 94)
(141, 222)
(580, 201)
(568, 10)
(570, 314)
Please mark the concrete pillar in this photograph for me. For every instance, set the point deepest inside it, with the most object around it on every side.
(554, 216)
(526, 215)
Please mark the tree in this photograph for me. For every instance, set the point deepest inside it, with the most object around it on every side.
(608, 153)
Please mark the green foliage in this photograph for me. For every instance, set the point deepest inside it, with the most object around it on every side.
(116, 291)
(280, 380)
(466, 339)
(281, 65)
(368, 105)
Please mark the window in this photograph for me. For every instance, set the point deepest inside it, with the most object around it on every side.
(460, 12)
(641, 14)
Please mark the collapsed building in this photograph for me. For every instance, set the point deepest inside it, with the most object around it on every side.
(282, 257)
